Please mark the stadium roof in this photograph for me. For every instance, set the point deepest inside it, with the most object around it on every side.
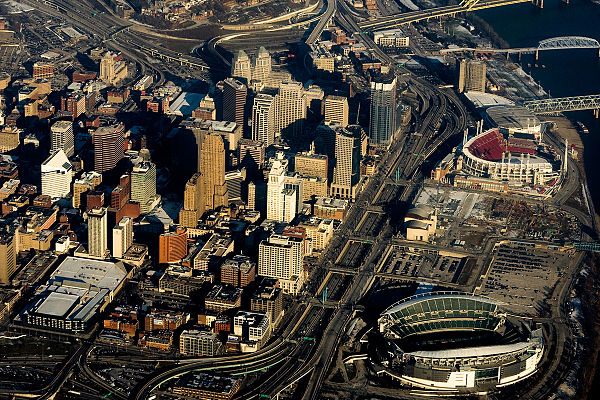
(436, 295)
(472, 352)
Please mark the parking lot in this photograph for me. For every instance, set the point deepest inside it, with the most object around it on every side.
(401, 261)
(523, 275)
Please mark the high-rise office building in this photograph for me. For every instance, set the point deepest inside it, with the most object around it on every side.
(262, 65)
(234, 101)
(61, 134)
(97, 232)
(346, 173)
(263, 119)
(122, 237)
(241, 68)
(284, 191)
(471, 76)
(193, 207)
(112, 68)
(251, 154)
(143, 186)
(383, 112)
(57, 175)
(290, 106)
(282, 257)
(311, 164)
(8, 257)
(212, 172)
(108, 146)
(234, 181)
(336, 110)
(281, 205)
(172, 246)
(251, 203)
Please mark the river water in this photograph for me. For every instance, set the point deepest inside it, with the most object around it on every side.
(560, 72)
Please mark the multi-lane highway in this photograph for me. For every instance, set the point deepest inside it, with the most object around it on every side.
(416, 16)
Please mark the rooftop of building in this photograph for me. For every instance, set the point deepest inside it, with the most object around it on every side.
(199, 334)
(485, 100)
(76, 289)
(224, 293)
(251, 318)
(331, 202)
(241, 262)
(186, 103)
(58, 160)
(513, 116)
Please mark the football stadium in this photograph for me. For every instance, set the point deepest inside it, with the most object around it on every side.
(456, 342)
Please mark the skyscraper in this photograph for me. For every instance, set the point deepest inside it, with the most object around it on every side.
(212, 172)
(471, 76)
(172, 246)
(61, 134)
(122, 237)
(112, 68)
(282, 257)
(290, 109)
(275, 186)
(251, 203)
(8, 257)
(143, 186)
(383, 112)
(57, 175)
(284, 192)
(108, 146)
(234, 101)
(241, 68)
(336, 110)
(262, 65)
(263, 119)
(311, 164)
(346, 173)
(251, 155)
(97, 232)
(193, 207)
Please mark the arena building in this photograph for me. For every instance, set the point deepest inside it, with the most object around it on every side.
(494, 156)
(456, 343)
(76, 292)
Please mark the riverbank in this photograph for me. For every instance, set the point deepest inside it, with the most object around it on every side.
(567, 73)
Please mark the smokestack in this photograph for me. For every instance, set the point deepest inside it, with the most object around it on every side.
(566, 155)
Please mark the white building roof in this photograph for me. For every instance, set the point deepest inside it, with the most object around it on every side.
(485, 100)
(57, 161)
(101, 274)
(58, 304)
(185, 103)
